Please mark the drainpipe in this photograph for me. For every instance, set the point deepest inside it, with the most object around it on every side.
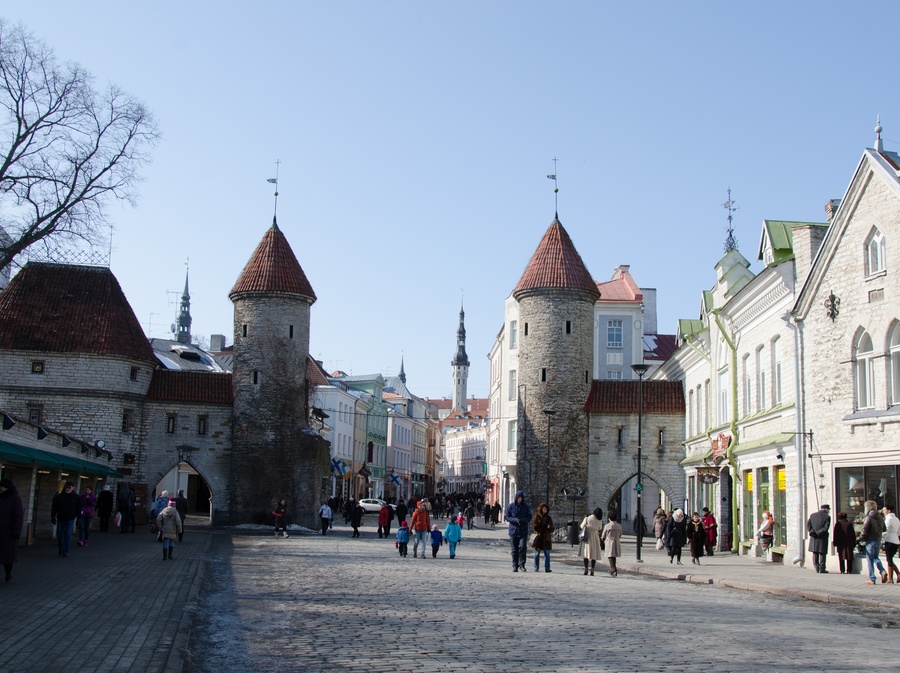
(732, 425)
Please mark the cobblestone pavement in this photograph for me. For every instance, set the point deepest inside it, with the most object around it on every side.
(316, 604)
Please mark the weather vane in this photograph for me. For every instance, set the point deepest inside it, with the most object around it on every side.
(555, 187)
(274, 181)
(730, 240)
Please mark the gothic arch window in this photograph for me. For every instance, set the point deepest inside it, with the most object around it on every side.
(864, 364)
(894, 371)
(876, 249)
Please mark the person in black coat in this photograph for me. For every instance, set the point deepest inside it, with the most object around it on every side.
(104, 507)
(65, 508)
(11, 519)
(819, 526)
(676, 534)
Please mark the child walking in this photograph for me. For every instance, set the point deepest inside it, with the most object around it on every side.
(403, 538)
(436, 540)
(453, 535)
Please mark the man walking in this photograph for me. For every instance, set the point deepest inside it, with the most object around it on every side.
(420, 526)
(819, 526)
(64, 510)
(519, 517)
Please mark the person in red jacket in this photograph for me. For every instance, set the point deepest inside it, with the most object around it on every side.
(420, 527)
(384, 520)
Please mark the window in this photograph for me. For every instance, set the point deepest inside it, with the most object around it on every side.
(722, 414)
(37, 366)
(134, 374)
(748, 386)
(776, 371)
(895, 366)
(865, 369)
(615, 374)
(170, 423)
(875, 253)
(513, 385)
(614, 334)
(513, 333)
(761, 378)
(201, 425)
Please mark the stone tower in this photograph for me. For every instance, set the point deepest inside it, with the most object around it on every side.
(556, 297)
(460, 365)
(184, 316)
(272, 454)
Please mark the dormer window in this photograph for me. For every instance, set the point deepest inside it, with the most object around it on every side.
(876, 251)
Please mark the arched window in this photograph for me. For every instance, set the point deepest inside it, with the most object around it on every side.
(865, 369)
(895, 365)
(875, 252)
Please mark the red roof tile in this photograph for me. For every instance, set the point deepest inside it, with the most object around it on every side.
(621, 397)
(170, 385)
(556, 264)
(70, 309)
(273, 268)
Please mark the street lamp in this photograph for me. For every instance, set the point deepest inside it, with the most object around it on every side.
(549, 413)
(640, 370)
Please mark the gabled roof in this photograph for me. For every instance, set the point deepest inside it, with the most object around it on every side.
(621, 397)
(66, 308)
(192, 387)
(556, 264)
(273, 268)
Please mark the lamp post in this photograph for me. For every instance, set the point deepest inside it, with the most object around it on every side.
(549, 413)
(640, 370)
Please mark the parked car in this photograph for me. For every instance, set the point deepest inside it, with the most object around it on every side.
(373, 505)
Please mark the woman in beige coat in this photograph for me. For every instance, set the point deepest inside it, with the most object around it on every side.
(612, 534)
(590, 549)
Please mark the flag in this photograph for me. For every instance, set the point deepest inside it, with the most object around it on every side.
(274, 181)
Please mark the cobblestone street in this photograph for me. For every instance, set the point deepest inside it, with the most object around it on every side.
(313, 603)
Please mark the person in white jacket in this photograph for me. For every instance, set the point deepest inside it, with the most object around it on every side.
(891, 539)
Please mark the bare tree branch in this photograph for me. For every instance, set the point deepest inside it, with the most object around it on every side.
(66, 149)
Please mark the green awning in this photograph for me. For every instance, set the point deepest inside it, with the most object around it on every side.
(24, 455)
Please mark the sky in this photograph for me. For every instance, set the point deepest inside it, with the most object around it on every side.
(414, 141)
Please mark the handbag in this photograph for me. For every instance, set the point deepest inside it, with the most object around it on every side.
(533, 539)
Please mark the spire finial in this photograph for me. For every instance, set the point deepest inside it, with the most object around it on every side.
(555, 189)
(730, 240)
(879, 146)
(274, 181)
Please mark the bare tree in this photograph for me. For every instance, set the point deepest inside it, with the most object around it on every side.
(66, 148)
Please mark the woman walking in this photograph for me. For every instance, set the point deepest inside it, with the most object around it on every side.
(11, 519)
(611, 537)
(542, 527)
(697, 537)
(591, 549)
(676, 535)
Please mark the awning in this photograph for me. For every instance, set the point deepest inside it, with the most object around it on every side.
(15, 453)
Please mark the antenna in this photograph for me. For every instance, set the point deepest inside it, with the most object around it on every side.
(555, 188)
(730, 240)
(274, 181)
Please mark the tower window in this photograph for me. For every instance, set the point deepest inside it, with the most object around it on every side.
(255, 377)
(291, 332)
(243, 330)
(543, 375)
(568, 326)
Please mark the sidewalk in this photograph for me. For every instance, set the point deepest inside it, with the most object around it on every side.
(112, 606)
(754, 574)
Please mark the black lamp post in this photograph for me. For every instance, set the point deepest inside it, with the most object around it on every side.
(640, 370)
(549, 413)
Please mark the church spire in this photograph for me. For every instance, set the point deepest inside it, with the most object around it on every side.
(184, 316)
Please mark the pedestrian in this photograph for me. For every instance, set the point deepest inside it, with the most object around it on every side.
(676, 535)
(12, 516)
(542, 532)
(401, 511)
(104, 507)
(844, 539)
(125, 504)
(403, 538)
(591, 546)
(419, 527)
(818, 526)
(325, 516)
(356, 518)
(88, 505)
(873, 527)
(181, 506)
(280, 514)
(659, 527)
(437, 539)
(711, 526)
(453, 536)
(495, 514)
(891, 542)
(696, 535)
(766, 531)
(169, 524)
(611, 539)
(384, 520)
(518, 515)
(64, 510)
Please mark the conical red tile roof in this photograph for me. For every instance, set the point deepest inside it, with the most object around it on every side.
(273, 268)
(556, 264)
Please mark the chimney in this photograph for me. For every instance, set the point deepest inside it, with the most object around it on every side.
(216, 343)
(831, 208)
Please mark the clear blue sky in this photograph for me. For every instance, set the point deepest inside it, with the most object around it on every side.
(415, 137)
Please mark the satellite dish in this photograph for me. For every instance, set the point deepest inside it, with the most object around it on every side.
(172, 328)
